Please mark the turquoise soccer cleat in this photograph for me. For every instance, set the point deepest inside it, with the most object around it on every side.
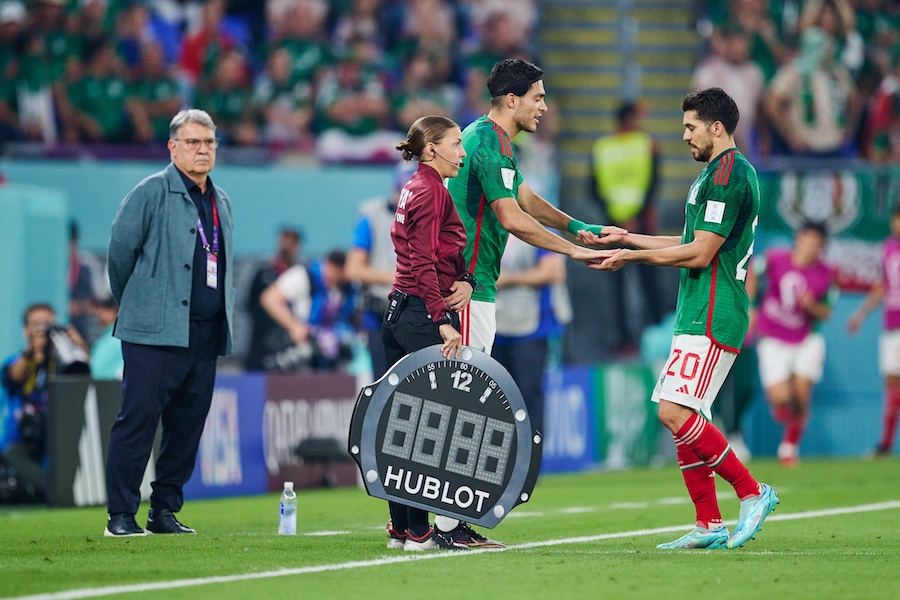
(751, 519)
(699, 538)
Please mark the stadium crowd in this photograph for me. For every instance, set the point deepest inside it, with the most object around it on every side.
(813, 78)
(338, 76)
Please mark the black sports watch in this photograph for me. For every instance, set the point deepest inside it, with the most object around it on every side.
(446, 320)
(470, 279)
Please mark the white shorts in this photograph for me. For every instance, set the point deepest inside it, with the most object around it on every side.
(693, 373)
(889, 352)
(778, 360)
(478, 325)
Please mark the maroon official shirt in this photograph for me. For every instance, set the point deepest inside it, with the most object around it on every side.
(429, 239)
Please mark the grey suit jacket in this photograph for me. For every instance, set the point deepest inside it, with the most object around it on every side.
(151, 252)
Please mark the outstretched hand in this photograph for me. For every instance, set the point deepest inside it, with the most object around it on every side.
(611, 260)
(609, 235)
(589, 256)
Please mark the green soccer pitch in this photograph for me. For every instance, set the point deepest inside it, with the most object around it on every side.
(836, 534)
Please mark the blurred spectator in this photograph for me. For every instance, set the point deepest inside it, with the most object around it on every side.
(201, 49)
(500, 38)
(426, 89)
(48, 52)
(23, 405)
(371, 262)
(94, 20)
(180, 15)
(731, 69)
(811, 100)
(284, 103)
(267, 338)
(770, 39)
(836, 18)
(298, 26)
(82, 292)
(12, 16)
(107, 361)
(229, 100)
(315, 306)
(625, 175)
(362, 22)
(133, 32)
(532, 306)
(153, 97)
(352, 111)
(422, 25)
(881, 136)
(98, 110)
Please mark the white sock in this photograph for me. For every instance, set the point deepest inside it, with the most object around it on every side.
(445, 524)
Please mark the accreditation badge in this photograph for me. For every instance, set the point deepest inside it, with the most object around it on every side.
(212, 271)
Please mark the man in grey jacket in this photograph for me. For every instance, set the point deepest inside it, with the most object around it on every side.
(170, 270)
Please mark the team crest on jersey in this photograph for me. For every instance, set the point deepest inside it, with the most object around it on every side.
(509, 177)
(692, 198)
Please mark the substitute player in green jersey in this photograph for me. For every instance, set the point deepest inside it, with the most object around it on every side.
(494, 200)
(711, 317)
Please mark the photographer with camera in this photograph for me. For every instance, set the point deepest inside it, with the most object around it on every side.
(25, 379)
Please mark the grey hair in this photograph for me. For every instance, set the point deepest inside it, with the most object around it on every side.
(191, 115)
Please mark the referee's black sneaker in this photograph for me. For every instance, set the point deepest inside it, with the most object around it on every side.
(463, 535)
(122, 525)
(163, 521)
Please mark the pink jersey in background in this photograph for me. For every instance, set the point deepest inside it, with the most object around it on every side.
(780, 316)
(891, 267)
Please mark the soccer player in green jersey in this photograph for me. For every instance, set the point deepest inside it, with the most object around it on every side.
(494, 200)
(711, 317)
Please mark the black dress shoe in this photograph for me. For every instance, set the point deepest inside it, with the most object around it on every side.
(163, 521)
(122, 525)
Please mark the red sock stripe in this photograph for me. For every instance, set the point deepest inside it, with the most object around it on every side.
(695, 430)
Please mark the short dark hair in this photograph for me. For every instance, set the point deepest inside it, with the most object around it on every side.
(817, 226)
(625, 110)
(512, 76)
(711, 105)
(36, 307)
(337, 258)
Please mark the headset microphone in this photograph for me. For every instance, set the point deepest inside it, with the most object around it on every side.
(458, 165)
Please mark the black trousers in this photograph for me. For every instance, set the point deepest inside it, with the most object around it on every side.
(168, 383)
(526, 361)
(413, 331)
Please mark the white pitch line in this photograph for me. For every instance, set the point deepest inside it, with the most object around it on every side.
(326, 533)
(390, 560)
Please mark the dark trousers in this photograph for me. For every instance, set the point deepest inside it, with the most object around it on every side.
(526, 362)
(175, 385)
(413, 331)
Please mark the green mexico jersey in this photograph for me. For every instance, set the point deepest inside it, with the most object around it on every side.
(489, 173)
(724, 199)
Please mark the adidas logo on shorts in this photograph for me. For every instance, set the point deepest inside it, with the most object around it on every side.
(683, 390)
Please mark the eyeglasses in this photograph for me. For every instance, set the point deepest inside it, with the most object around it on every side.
(194, 143)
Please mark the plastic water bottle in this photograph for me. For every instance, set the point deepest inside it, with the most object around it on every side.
(287, 519)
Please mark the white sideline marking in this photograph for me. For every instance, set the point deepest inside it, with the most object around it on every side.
(326, 533)
(181, 583)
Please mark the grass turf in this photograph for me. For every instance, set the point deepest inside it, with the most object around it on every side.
(843, 556)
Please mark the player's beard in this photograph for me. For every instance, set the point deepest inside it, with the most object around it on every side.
(525, 122)
(704, 153)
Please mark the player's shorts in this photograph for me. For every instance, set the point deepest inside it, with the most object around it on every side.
(478, 325)
(779, 360)
(693, 373)
(889, 352)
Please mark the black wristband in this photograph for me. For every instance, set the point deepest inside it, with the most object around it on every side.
(446, 320)
(470, 279)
